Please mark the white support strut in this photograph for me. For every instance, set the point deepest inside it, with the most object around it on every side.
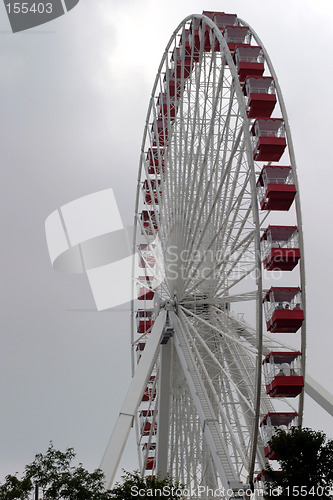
(163, 410)
(209, 423)
(132, 401)
(319, 394)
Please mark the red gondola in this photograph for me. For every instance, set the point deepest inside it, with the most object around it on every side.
(150, 391)
(149, 394)
(167, 106)
(249, 61)
(155, 159)
(152, 446)
(172, 85)
(145, 293)
(146, 260)
(204, 31)
(180, 60)
(160, 132)
(144, 320)
(266, 477)
(280, 248)
(236, 36)
(283, 374)
(194, 38)
(150, 463)
(139, 349)
(261, 97)
(187, 38)
(283, 309)
(146, 423)
(276, 188)
(149, 223)
(270, 424)
(154, 194)
(268, 139)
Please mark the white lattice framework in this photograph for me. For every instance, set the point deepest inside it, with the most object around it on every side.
(202, 359)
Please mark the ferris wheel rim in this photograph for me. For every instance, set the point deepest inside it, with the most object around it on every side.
(297, 204)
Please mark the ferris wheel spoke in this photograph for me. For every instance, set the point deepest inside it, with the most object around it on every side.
(218, 363)
(220, 331)
(196, 244)
(220, 404)
(204, 142)
(202, 402)
(224, 268)
(234, 210)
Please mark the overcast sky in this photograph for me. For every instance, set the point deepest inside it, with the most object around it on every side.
(74, 95)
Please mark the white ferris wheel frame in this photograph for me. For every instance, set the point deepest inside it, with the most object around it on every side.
(168, 318)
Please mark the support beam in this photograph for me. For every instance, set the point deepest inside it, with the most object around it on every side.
(209, 423)
(132, 401)
(163, 409)
(319, 394)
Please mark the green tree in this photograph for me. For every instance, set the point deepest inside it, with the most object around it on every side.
(15, 489)
(305, 458)
(145, 488)
(56, 478)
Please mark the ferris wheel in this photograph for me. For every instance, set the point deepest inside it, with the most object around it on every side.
(219, 268)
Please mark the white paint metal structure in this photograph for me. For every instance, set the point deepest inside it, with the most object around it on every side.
(197, 229)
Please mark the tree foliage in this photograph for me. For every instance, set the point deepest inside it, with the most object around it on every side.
(305, 458)
(56, 478)
(136, 486)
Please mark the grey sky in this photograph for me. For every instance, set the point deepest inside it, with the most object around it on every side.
(74, 95)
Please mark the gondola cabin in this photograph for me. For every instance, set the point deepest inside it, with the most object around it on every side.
(151, 446)
(264, 477)
(144, 320)
(269, 426)
(149, 394)
(146, 257)
(160, 132)
(194, 38)
(151, 462)
(145, 292)
(149, 429)
(181, 63)
(167, 106)
(140, 347)
(283, 309)
(147, 261)
(249, 62)
(185, 41)
(148, 220)
(150, 391)
(204, 30)
(221, 19)
(283, 374)
(260, 96)
(146, 420)
(236, 36)
(275, 187)
(155, 160)
(268, 139)
(172, 85)
(151, 191)
(280, 248)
